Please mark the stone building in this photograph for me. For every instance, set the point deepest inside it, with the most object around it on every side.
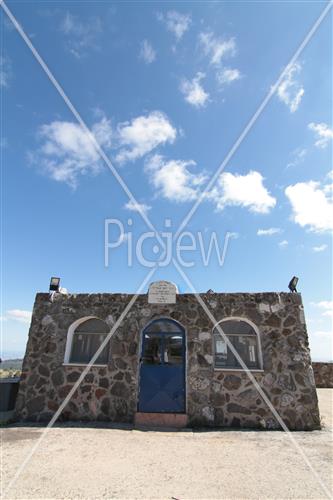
(323, 374)
(167, 363)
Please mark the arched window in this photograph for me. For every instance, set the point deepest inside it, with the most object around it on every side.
(83, 340)
(244, 337)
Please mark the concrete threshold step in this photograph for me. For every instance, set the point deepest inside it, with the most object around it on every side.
(164, 420)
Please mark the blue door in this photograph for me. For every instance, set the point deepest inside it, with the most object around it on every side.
(162, 368)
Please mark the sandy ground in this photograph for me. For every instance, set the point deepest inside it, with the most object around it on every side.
(88, 463)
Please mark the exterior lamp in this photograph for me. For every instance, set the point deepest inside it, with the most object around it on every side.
(293, 283)
(54, 284)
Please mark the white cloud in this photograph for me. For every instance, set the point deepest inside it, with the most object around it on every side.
(102, 132)
(5, 71)
(137, 207)
(311, 206)
(321, 342)
(298, 157)
(143, 134)
(234, 236)
(228, 75)
(173, 179)
(283, 244)
(290, 91)
(323, 132)
(19, 315)
(326, 306)
(176, 22)
(269, 232)
(147, 53)
(319, 248)
(216, 48)
(323, 334)
(246, 191)
(80, 36)
(67, 151)
(194, 92)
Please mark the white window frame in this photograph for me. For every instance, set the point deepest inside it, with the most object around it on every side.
(256, 330)
(69, 341)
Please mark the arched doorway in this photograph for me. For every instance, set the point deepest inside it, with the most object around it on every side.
(162, 368)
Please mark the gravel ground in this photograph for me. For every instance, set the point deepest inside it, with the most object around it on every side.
(87, 463)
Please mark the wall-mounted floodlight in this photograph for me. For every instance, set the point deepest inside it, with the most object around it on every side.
(54, 284)
(293, 284)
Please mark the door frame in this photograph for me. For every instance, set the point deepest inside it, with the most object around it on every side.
(154, 320)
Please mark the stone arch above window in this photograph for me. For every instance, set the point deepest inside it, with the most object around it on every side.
(84, 338)
(245, 338)
(164, 324)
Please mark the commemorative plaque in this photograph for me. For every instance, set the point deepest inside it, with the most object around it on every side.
(162, 292)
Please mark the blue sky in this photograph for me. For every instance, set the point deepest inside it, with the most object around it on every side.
(166, 89)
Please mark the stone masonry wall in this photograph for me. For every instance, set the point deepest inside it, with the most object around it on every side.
(323, 374)
(215, 397)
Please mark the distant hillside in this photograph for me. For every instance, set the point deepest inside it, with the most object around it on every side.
(11, 364)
